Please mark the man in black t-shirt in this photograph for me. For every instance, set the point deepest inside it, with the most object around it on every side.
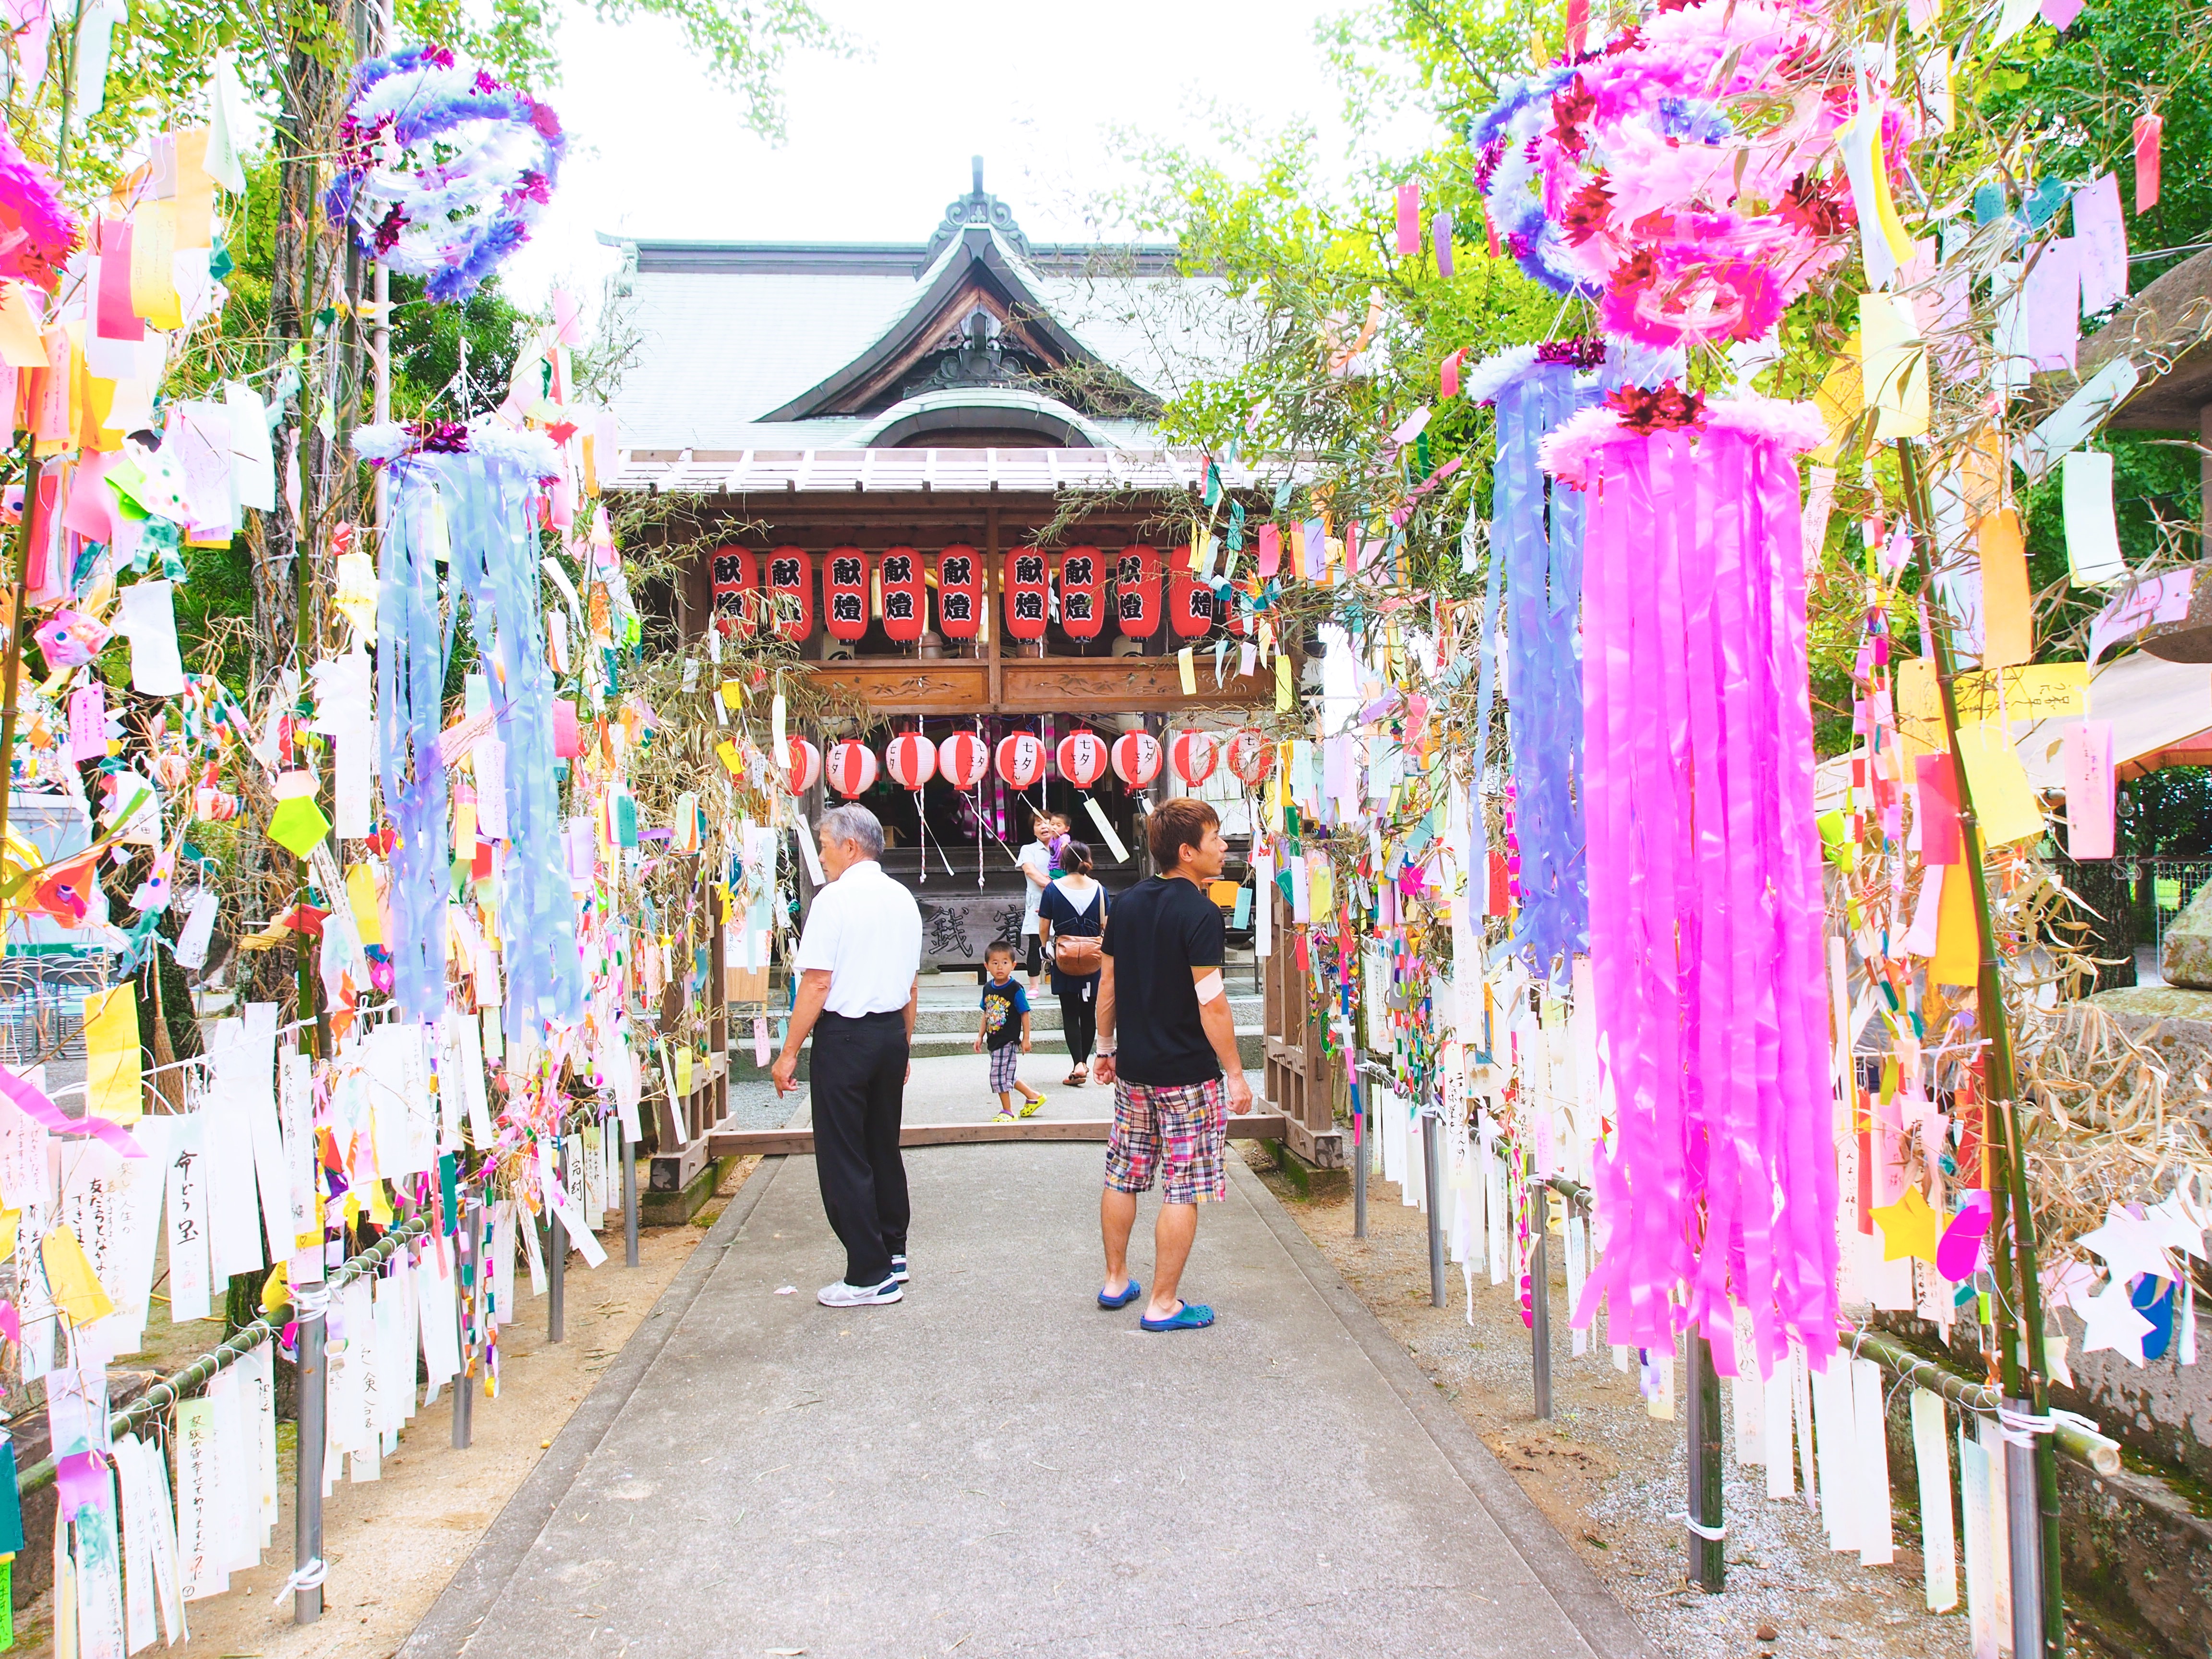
(1176, 1065)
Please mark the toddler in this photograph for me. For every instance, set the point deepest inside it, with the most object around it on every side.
(1005, 1024)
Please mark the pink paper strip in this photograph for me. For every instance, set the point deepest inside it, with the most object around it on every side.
(2059, 13)
(89, 722)
(1409, 219)
(2088, 762)
(83, 1481)
(34, 1103)
(1271, 550)
(1936, 780)
(2148, 128)
(2101, 234)
(2160, 600)
(2051, 302)
(117, 320)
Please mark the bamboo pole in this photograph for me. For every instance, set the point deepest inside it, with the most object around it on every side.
(2017, 1277)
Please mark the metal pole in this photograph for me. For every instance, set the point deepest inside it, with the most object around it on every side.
(2024, 1521)
(310, 1303)
(1358, 1156)
(1431, 1137)
(556, 1245)
(629, 1196)
(1708, 1565)
(470, 1265)
(1540, 1291)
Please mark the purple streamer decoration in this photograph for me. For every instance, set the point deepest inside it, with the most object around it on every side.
(1539, 534)
(493, 562)
(1705, 902)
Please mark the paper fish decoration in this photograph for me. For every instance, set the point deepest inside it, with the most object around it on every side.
(72, 638)
(64, 891)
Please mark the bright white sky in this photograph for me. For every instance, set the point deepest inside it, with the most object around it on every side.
(878, 145)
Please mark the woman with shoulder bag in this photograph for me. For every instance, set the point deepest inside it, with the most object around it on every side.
(1071, 916)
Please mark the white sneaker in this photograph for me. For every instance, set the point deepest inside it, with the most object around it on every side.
(842, 1295)
(898, 1268)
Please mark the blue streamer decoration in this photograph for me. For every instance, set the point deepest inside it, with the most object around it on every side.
(1537, 534)
(491, 541)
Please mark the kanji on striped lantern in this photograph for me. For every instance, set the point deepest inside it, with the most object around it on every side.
(736, 574)
(1136, 758)
(1082, 593)
(962, 760)
(1137, 591)
(911, 760)
(851, 768)
(1251, 757)
(961, 591)
(1026, 593)
(805, 764)
(845, 592)
(1190, 601)
(905, 594)
(1193, 755)
(1082, 758)
(1020, 759)
(791, 591)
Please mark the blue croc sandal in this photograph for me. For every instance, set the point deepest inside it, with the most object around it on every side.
(1191, 1316)
(1129, 1293)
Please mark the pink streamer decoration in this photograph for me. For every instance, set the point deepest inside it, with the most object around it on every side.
(1704, 887)
(34, 1103)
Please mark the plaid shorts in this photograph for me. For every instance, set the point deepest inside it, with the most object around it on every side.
(1184, 1125)
(1005, 1062)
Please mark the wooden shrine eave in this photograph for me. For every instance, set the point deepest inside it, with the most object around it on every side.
(742, 473)
(1037, 685)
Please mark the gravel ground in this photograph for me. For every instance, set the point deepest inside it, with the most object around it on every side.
(1609, 1476)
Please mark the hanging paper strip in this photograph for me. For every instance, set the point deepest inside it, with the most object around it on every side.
(905, 594)
(1190, 601)
(961, 591)
(1137, 591)
(737, 577)
(1704, 887)
(1026, 593)
(489, 524)
(845, 592)
(1543, 600)
(1082, 593)
(790, 592)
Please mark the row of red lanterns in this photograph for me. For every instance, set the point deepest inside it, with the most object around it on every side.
(784, 577)
(1083, 757)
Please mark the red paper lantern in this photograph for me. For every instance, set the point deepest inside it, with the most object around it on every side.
(1136, 758)
(911, 759)
(851, 768)
(1020, 759)
(1082, 593)
(906, 594)
(1194, 754)
(1137, 591)
(961, 591)
(805, 767)
(845, 592)
(1251, 757)
(736, 575)
(791, 591)
(1190, 601)
(962, 760)
(1027, 593)
(1082, 757)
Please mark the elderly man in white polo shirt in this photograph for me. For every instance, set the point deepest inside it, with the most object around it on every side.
(859, 963)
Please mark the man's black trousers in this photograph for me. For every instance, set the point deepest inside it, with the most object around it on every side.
(859, 1086)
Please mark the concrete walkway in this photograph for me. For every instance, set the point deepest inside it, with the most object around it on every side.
(995, 1467)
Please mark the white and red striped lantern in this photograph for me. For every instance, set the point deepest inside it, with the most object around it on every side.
(962, 760)
(1194, 755)
(852, 767)
(805, 764)
(911, 760)
(1020, 759)
(1082, 758)
(1136, 758)
(1251, 757)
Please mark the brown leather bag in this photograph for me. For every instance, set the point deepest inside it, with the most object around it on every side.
(1080, 953)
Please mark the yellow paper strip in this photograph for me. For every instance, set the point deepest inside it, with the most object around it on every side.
(2004, 807)
(111, 1053)
(2007, 610)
